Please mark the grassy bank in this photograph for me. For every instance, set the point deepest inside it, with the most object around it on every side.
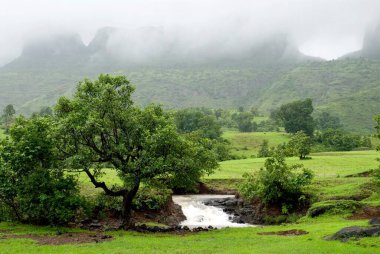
(243, 240)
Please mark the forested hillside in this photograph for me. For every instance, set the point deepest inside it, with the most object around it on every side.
(267, 75)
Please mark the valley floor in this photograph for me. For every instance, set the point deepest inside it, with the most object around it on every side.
(337, 178)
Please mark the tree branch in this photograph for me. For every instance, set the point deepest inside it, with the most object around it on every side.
(104, 186)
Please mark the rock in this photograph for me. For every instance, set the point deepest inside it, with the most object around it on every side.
(355, 232)
(150, 216)
(374, 221)
(95, 225)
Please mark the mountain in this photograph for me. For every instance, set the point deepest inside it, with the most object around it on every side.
(265, 74)
(371, 45)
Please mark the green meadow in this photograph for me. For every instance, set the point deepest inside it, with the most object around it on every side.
(335, 178)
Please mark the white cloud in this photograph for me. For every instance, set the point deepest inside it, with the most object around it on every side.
(325, 28)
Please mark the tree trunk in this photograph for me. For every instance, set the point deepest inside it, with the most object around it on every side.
(127, 207)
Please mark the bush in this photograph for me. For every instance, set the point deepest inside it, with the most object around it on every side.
(49, 199)
(340, 140)
(32, 187)
(277, 183)
(149, 198)
(264, 150)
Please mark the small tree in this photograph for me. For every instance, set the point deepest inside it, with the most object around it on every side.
(100, 130)
(244, 122)
(8, 114)
(277, 183)
(264, 151)
(299, 145)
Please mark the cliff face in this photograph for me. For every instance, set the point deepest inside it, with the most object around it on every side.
(371, 43)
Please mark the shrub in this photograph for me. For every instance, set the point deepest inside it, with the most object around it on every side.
(333, 207)
(277, 183)
(149, 198)
(264, 150)
(49, 199)
(340, 140)
(32, 187)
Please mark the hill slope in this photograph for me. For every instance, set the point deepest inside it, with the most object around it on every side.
(267, 75)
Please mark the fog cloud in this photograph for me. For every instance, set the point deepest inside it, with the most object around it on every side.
(324, 28)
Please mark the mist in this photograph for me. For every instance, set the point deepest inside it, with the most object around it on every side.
(147, 29)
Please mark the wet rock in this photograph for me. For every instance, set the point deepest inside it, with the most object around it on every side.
(95, 225)
(355, 232)
(374, 221)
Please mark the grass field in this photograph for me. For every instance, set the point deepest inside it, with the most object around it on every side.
(331, 170)
(324, 165)
(244, 240)
(248, 143)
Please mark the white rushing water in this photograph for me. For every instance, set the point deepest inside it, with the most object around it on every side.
(200, 215)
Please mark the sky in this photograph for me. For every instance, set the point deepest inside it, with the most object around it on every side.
(323, 28)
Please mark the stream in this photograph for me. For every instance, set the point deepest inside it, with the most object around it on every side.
(200, 215)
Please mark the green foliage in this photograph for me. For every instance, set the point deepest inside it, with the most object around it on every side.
(268, 125)
(195, 119)
(264, 151)
(326, 121)
(299, 145)
(32, 186)
(202, 123)
(340, 140)
(149, 198)
(296, 116)
(7, 117)
(244, 121)
(46, 111)
(48, 198)
(100, 126)
(333, 207)
(277, 183)
(347, 88)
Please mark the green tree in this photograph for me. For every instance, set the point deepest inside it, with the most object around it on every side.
(32, 184)
(264, 150)
(277, 183)
(193, 119)
(101, 128)
(296, 116)
(244, 121)
(340, 140)
(8, 114)
(299, 145)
